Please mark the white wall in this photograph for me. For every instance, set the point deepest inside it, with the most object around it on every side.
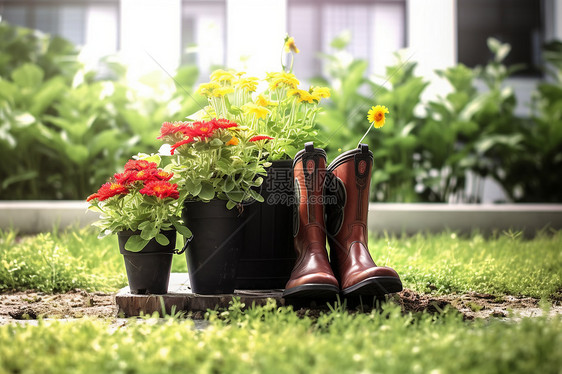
(153, 27)
(432, 39)
(256, 49)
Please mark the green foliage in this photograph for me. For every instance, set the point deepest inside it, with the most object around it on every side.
(275, 340)
(209, 165)
(64, 129)
(141, 199)
(59, 263)
(532, 174)
(427, 155)
(344, 120)
(448, 263)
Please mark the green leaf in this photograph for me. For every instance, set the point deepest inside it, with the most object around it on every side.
(230, 204)
(216, 142)
(236, 196)
(207, 191)
(136, 243)
(228, 184)
(149, 232)
(77, 153)
(28, 76)
(182, 230)
(162, 239)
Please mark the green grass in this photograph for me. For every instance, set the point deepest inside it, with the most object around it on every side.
(505, 263)
(275, 340)
(52, 262)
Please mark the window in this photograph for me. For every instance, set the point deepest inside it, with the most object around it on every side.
(378, 28)
(517, 22)
(203, 34)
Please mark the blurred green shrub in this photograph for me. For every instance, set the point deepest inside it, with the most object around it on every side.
(426, 150)
(532, 174)
(63, 128)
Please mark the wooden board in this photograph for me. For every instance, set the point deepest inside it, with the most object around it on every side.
(180, 298)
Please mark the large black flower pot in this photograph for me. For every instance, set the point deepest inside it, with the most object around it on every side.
(148, 271)
(268, 254)
(213, 252)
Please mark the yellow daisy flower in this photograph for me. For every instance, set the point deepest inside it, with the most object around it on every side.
(249, 84)
(376, 115)
(290, 45)
(321, 92)
(223, 76)
(222, 91)
(261, 100)
(256, 110)
(282, 78)
(301, 95)
(207, 89)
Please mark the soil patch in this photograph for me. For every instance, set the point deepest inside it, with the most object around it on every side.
(79, 303)
(73, 304)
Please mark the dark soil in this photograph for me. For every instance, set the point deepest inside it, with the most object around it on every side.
(78, 303)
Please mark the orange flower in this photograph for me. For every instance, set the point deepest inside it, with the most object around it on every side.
(233, 141)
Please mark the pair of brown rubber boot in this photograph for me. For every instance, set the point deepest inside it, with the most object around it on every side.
(332, 202)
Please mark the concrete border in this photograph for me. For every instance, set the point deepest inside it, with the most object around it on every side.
(41, 216)
(464, 218)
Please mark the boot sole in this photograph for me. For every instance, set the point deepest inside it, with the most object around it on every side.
(318, 291)
(374, 286)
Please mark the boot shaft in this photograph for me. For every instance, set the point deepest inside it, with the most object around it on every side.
(347, 188)
(309, 168)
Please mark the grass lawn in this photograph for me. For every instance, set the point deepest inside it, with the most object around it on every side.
(276, 340)
(269, 339)
(440, 263)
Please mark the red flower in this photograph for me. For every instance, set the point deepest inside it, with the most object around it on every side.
(179, 144)
(138, 165)
(124, 178)
(92, 197)
(223, 123)
(200, 129)
(108, 190)
(161, 189)
(260, 137)
(161, 175)
(169, 128)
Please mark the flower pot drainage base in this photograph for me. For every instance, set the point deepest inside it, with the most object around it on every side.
(180, 299)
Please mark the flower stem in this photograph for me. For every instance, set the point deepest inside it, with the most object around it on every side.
(369, 129)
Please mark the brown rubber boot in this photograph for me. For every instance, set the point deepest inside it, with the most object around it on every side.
(347, 205)
(312, 274)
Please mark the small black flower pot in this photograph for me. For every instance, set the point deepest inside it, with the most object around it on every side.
(148, 271)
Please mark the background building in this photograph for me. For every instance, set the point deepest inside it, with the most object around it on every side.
(246, 34)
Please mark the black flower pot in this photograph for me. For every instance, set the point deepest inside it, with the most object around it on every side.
(212, 254)
(268, 254)
(148, 271)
